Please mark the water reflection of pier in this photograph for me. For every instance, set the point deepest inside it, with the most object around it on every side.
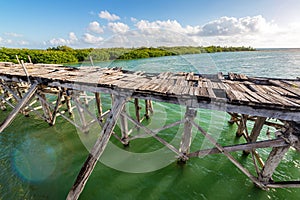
(51, 91)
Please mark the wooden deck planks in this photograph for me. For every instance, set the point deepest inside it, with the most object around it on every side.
(238, 87)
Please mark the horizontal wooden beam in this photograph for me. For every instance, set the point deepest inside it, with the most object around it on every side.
(242, 147)
(284, 184)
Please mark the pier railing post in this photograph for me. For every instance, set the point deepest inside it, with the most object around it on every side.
(186, 139)
(98, 148)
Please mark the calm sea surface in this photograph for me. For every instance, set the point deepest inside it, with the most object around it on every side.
(41, 162)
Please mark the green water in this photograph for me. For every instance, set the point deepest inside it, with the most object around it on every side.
(41, 162)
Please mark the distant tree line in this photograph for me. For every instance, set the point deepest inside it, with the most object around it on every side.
(65, 54)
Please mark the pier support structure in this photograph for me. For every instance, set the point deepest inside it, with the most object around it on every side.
(25, 96)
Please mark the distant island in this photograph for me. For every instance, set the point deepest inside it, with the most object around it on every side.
(65, 54)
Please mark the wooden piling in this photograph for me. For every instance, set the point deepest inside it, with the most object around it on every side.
(242, 125)
(99, 105)
(137, 109)
(46, 109)
(98, 149)
(124, 127)
(58, 103)
(258, 125)
(271, 164)
(186, 139)
(147, 109)
(84, 125)
(68, 102)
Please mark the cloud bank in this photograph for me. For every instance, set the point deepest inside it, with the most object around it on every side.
(106, 15)
(112, 31)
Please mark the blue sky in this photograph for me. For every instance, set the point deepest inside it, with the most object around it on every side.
(104, 23)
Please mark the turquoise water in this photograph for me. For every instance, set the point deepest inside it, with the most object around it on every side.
(41, 162)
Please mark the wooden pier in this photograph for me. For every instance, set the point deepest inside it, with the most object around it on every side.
(26, 89)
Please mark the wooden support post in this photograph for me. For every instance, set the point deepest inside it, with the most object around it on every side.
(85, 128)
(86, 101)
(124, 127)
(233, 119)
(137, 109)
(151, 106)
(99, 105)
(58, 103)
(291, 133)
(46, 109)
(68, 102)
(259, 122)
(147, 109)
(271, 164)
(112, 99)
(97, 150)
(186, 139)
(242, 125)
(18, 107)
(2, 102)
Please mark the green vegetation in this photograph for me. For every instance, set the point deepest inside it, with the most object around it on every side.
(65, 54)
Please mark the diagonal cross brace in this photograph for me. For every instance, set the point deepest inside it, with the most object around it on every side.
(98, 149)
(19, 106)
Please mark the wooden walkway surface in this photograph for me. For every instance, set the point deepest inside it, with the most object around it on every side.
(276, 98)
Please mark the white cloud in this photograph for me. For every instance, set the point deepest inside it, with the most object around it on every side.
(133, 19)
(61, 41)
(72, 37)
(23, 43)
(10, 34)
(151, 27)
(91, 39)
(13, 43)
(95, 27)
(228, 26)
(137, 38)
(58, 41)
(118, 27)
(106, 15)
(8, 41)
(253, 31)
